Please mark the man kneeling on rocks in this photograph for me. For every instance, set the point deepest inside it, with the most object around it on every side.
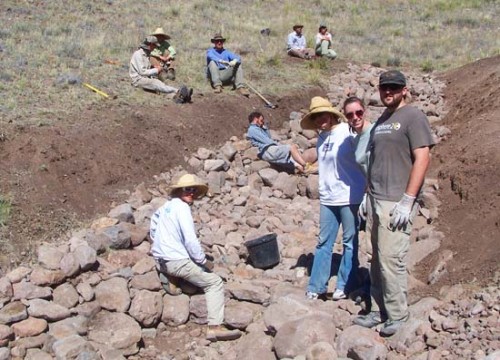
(145, 76)
(178, 252)
(271, 151)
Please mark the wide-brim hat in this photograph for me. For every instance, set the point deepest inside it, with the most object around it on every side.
(190, 180)
(217, 37)
(296, 26)
(319, 105)
(160, 32)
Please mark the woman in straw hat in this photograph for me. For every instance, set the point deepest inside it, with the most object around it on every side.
(178, 252)
(341, 189)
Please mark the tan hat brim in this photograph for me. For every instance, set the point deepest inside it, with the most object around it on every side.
(201, 189)
(307, 122)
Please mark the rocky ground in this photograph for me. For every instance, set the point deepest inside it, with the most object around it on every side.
(97, 295)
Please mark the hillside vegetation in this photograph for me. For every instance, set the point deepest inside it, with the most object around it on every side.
(49, 48)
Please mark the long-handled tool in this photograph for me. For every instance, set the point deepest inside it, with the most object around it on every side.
(267, 102)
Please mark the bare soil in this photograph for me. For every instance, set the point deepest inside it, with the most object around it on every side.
(62, 176)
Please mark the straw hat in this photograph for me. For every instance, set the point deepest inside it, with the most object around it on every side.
(319, 105)
(160, 31)
(190, 180)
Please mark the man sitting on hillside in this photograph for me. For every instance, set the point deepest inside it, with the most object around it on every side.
(145, 76)
(179, 254)
(270, 150)
(224, 67)
(163, 55)
(324, 43)
(296, 45)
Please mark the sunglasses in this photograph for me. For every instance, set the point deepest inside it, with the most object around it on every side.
(358, 113)
(189, 189)
(218, 41)
(391, 87)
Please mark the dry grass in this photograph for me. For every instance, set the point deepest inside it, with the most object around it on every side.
(48, 48)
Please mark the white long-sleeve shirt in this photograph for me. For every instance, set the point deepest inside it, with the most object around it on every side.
(140, 66)
(173, 234)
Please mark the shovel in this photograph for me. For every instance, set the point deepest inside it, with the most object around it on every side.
(267, 102)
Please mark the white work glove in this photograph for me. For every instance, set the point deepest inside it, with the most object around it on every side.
(400, 213)
(363, 211)
(233, 63)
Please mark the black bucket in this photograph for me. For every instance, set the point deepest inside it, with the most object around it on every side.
(263, 251)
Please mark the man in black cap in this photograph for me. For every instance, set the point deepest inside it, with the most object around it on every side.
(400, 146)
(224, 67)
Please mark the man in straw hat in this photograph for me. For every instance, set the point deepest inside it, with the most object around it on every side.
(341, 189)
(224, 67)
(296, 44)
(145, 76)
(400, 144)
(163, 55)
(178, 252)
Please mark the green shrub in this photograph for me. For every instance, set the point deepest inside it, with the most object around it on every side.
(5, 208)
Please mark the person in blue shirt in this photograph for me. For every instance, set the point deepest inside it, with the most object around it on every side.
(224, 67)
(270, 150)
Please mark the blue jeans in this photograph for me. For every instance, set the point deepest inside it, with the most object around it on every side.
(330, 218)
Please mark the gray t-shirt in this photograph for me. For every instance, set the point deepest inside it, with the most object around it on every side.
(393, 139)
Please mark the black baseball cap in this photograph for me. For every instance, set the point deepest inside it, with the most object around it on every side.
(392, 77)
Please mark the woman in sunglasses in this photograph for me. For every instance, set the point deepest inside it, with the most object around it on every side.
(341, 189)
(354, 111)
(178, 252)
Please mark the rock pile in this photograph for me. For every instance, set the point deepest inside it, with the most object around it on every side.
(99, 296)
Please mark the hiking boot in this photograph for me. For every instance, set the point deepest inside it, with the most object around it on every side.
(338, 295)
(218, 89)
(243, 91)
(221, 333)
(392, 326)
(370, 320)
(181, 95)
(311, 168)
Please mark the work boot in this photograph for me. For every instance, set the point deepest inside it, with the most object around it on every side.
(170, 75)
(218, 89)
(372, 319)
(182, 95)
(392, 326)
(221, 333)
(243, 91)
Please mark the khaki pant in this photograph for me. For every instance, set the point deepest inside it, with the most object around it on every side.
(389, 280)
(306, 53)
(153, 84)
(210, 283)
(230, 75)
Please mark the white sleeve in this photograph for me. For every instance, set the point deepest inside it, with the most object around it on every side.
(191, 242)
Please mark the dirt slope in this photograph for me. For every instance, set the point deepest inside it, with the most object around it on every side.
(60, 176)
(468, 165)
